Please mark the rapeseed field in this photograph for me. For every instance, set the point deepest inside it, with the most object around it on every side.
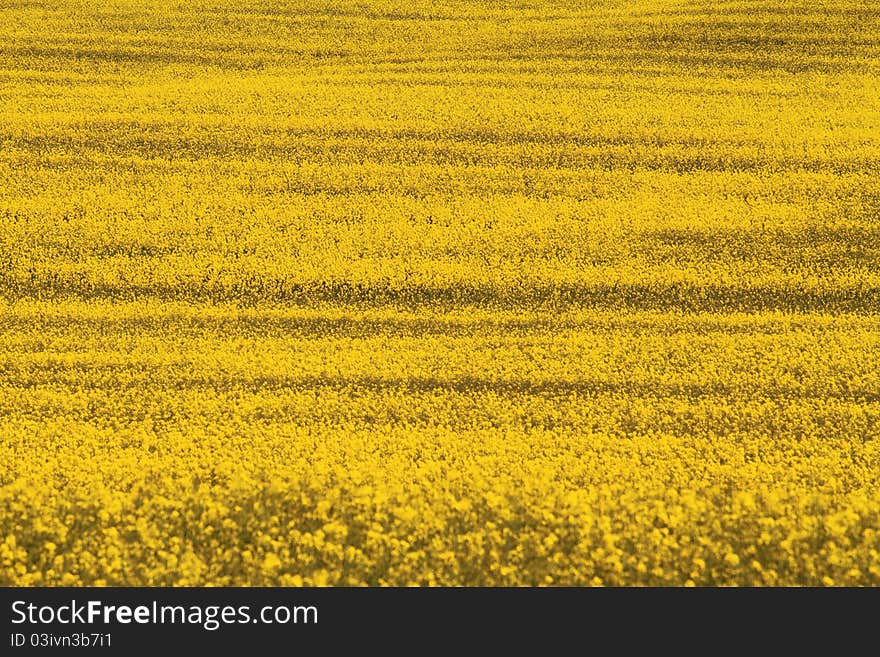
(413, 293)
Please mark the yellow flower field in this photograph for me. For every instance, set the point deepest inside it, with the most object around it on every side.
(414, 293)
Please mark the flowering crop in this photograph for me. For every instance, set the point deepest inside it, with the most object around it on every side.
(396, 293)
